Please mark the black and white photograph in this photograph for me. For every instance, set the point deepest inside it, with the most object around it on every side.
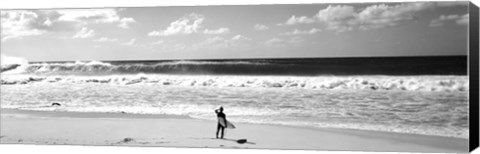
(360, 76)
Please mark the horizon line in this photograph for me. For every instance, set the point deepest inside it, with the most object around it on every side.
(266, 58)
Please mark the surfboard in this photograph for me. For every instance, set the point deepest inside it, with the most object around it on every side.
(228, 125)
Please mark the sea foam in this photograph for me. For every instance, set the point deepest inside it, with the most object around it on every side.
(396, 83)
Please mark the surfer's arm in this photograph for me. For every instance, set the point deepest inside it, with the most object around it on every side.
(216, 111)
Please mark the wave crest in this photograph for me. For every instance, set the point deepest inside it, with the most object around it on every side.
(401, 83)
(170, 67)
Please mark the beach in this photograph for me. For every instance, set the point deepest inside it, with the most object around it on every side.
(118, 129)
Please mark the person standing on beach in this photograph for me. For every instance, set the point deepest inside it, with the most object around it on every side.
(221, 119)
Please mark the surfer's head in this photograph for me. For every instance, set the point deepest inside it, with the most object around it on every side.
(221, 109)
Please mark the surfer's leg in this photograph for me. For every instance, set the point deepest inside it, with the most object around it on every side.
(223, 130)
(218, 129)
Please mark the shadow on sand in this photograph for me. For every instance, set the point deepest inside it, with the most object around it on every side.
(239, 141)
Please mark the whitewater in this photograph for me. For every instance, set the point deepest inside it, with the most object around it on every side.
(250, 91)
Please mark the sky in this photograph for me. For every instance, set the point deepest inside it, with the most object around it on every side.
(242, 31)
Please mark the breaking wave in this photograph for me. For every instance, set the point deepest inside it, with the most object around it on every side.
(400, 83)
(168, 67)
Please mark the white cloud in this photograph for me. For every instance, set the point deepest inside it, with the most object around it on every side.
(124, 22)
(21, 23)
(187, 24)
(18, 24)
(440, 21)
(84, 33)
(344, 18)
(216, 39)
(274, 42)
(299, 20)
(218, 31)
(132, 42)
(85, 16)
(240, 38)
(260, 27)
(91, 15)
(464, 20)
(335, 14)
(296, 40)
(106, 39)
(379, 16)
(302, 32)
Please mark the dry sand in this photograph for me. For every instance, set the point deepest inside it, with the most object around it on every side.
(37, 127)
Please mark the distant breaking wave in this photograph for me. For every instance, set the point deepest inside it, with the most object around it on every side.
(173, 67)
(400, 83)
(404, 66)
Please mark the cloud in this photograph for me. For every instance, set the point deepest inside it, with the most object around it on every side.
(299, 20)
(132, 42)
(240, 38)
(304, 32)
(105, 39)
(379, 16)
(260, 27)
(335, 13)
(216, 39)
(218, 31)
(22, 23)
(440, 21)
(84, 33)
(464, 20)
(83, 17)
(187, 24)
(18, 24)
(342, 18)
(94, 15)
(274, 42)
(124, 22)
(296, 40)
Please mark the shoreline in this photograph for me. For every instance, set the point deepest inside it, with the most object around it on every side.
(117, 129)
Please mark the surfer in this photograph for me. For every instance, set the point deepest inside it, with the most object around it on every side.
(221, 119)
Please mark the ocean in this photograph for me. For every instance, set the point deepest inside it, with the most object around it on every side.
(416, 95)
